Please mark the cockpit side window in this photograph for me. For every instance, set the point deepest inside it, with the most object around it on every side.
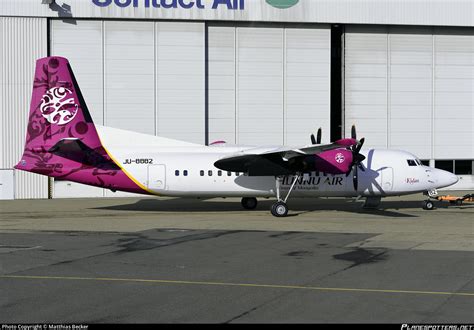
(411, 162)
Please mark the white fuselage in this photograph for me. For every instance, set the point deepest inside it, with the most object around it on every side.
(174, 168)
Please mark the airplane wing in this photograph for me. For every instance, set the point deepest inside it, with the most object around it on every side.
(280, 161)
(74, 149)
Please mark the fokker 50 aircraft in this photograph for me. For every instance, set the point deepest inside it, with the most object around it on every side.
(63, 142)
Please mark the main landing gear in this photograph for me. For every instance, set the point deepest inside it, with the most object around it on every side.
(280, 209)
(428, 205)
(249, 203)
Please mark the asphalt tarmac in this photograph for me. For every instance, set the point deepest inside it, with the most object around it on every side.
(155, 260)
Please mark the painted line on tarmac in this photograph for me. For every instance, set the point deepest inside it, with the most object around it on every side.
(267, 286)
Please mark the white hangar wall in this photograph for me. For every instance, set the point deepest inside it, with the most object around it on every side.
(412, 88)
(22, 41)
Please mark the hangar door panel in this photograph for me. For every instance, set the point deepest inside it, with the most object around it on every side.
(82, 45)
(307, 84)
(222, 112)
(259, 85)
(268, 85)
(86, 59)
(129, 79)
(411, 88)
(365, 85)
(180, 81)
(454, 97)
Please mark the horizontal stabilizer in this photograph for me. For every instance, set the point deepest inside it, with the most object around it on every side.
(74, 149)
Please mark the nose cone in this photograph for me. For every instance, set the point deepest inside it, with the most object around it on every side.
(445, 178)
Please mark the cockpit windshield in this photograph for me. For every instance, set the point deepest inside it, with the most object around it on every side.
(414, 162)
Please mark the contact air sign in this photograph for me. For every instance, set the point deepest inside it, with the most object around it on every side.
(190, 4)
(170, 4)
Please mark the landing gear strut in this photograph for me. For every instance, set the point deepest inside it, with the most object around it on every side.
(280, 209)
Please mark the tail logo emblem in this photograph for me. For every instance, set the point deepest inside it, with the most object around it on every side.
(57, 107)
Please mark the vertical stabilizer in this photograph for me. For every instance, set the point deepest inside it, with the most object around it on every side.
(61, 139)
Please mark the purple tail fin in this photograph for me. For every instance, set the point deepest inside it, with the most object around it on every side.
(58, 113)
(61, 139)
(57, 109)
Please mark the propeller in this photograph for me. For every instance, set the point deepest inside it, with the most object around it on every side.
(318, 139)
(357, 158)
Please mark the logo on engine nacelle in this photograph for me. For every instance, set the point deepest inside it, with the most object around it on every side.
(339, 158)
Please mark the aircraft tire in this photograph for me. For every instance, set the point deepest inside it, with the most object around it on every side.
(249, 203)
(279, 209)
(428, 205)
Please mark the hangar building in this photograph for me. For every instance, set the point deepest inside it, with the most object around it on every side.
(249, 72)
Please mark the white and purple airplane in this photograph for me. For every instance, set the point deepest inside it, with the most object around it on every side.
(63, 142)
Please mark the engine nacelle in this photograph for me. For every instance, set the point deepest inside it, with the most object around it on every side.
(337, 161)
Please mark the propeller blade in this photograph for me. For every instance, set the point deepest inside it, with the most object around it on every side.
(313, 139)
(359, 145)
(353, 132)
(318, 140)
(355, 178)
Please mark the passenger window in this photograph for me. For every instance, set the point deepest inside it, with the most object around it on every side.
(237, 173)
(209, 172)
(219, 173)
(176, 172)
(185, 172)
(229, 173)
(411, 162)
(201, 172)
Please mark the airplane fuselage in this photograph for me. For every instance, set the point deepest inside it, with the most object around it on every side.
(189, 171)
